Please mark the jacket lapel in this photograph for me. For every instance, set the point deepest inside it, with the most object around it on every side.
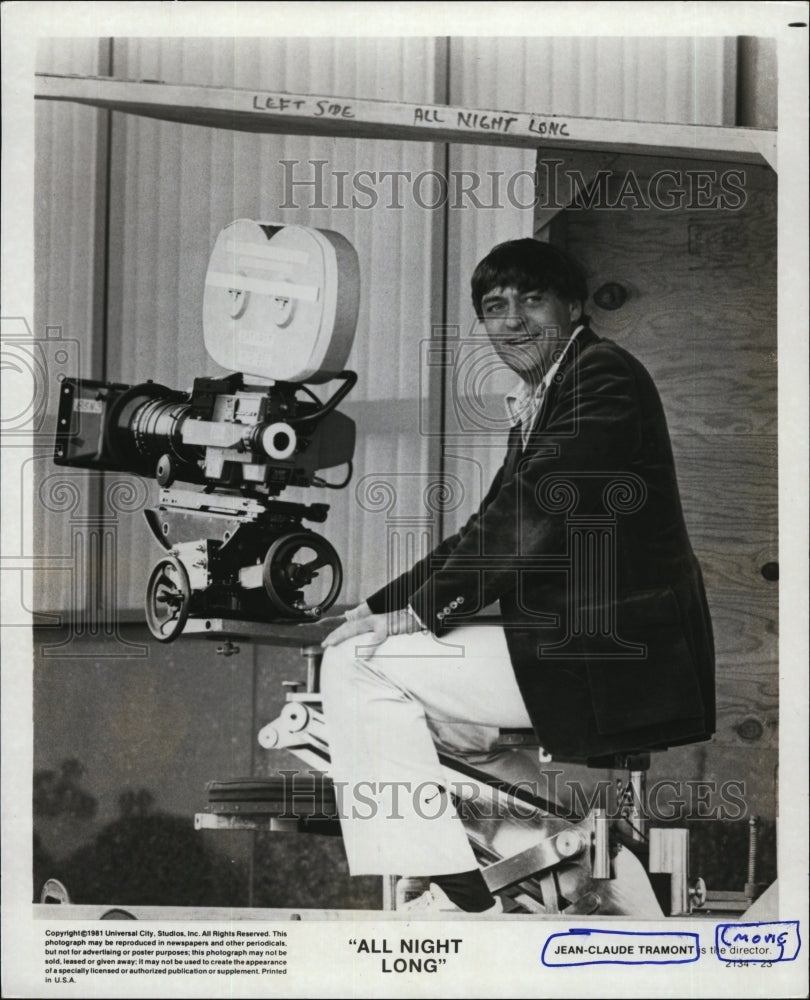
(513, 452)
(515, 449)
(585, 338)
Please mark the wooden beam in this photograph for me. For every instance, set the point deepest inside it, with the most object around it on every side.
(307, 114)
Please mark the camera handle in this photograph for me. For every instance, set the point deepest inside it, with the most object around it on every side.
(349, 381)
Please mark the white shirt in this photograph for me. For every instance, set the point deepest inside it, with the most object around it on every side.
(524, 405)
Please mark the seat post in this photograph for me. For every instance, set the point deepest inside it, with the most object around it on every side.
(313, 656)
(633, 795)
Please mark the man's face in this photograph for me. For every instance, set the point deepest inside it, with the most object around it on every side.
(526, 328)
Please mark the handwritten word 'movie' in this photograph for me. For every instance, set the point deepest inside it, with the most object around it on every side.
(774, 941)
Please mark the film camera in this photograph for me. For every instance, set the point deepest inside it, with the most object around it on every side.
(279, 311)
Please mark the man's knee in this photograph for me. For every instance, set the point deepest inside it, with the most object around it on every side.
(464, 739)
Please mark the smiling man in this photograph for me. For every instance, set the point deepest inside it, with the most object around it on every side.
(605, 642)
(524, 322)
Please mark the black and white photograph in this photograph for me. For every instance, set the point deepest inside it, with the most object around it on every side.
(404, 499)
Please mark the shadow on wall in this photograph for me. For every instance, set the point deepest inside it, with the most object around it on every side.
(719, 850)
(309, 870)
(150, 858)
(140, 858)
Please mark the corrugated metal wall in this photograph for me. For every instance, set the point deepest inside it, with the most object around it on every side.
(173, 187)
(70, 177)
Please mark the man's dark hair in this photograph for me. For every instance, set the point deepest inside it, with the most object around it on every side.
(529, 265)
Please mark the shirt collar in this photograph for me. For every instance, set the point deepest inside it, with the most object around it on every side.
(521, 401)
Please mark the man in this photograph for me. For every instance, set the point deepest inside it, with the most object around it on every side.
(605, 643)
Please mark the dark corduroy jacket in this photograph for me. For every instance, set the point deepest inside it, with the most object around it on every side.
(581, 539)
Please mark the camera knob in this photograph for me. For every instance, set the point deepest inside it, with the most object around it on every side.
(278, 440)
(165, 470)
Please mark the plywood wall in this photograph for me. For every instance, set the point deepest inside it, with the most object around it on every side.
(701, 315)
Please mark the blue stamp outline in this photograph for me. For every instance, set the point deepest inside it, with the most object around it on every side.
(586, 931)
(740, 928)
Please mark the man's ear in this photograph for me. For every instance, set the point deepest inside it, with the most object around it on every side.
(575, 310)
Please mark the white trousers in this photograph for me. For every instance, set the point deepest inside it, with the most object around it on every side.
(387, 709)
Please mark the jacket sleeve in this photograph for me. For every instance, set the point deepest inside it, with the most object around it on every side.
(592, 430)
(397, 594)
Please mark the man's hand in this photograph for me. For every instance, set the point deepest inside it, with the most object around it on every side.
(375, 629)
(356, 614)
